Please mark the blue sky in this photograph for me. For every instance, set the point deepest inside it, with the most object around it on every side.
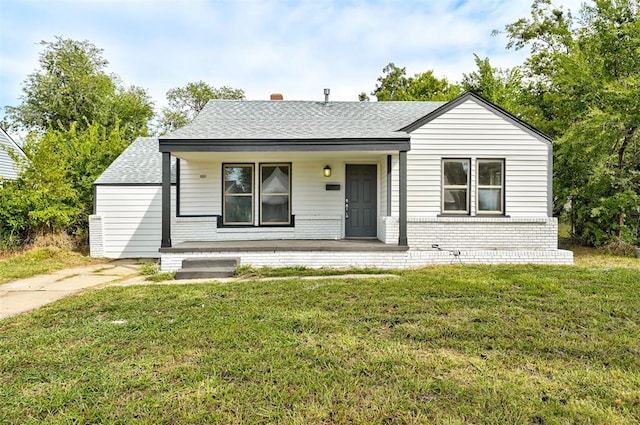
(292, 47)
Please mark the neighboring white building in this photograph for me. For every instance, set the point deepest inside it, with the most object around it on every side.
(7, 165)
(420, 181)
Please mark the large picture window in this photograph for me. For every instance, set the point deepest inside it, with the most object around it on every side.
(455, 186)
(238, 194)
(275, 194)
(490, 186)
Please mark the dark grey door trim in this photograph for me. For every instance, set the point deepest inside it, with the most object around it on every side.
(361, 201)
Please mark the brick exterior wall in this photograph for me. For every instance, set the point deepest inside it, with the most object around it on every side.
(477, 233)
(383, 260)
(205, 229)
(480, 240)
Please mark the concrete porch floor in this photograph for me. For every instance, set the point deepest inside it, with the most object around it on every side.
(341, 245)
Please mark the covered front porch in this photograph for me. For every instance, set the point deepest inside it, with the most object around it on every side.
(203, 207)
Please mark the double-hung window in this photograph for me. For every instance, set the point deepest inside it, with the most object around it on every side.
(273, 195)
(490, 186)
(455, 186)
(238, 194)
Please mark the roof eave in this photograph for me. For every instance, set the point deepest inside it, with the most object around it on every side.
(401, 143)
(489, 105)
(15, 145)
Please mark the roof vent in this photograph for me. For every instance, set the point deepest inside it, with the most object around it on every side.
(277, 96)
(326, 95)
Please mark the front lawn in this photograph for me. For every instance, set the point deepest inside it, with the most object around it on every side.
(36, 261)
(457, 344)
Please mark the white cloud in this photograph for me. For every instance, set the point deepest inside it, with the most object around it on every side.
(297, 48)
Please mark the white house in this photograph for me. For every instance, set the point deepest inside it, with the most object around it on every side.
(340, 184)
(7, 165)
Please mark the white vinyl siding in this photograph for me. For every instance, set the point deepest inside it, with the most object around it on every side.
(472, 131)
(308, 191)
(202, 196)
(7, 165)
(131, 220)
(199, 188)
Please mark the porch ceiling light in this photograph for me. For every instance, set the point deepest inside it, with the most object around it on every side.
(327, 171)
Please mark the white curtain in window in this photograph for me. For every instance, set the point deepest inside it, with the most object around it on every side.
(277, 182)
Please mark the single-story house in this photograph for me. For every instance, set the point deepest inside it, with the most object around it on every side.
(8, 168)
(338, 184)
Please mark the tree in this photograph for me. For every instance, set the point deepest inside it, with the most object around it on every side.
(186, 102)
(54, 190)
(395, 85)
(71, 85)
(505, 88)
(585, 80)
(79, 120)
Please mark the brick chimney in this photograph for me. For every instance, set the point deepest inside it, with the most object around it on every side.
(277, 96)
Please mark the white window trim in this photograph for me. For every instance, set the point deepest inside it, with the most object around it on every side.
(445, 187)
(501, 187)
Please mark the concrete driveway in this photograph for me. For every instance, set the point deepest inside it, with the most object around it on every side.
(28, 294)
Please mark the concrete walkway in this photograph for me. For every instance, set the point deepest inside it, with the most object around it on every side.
(28, 294)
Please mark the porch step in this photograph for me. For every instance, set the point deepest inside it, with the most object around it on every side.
(207, 273)
(203, 268)
(205, 262)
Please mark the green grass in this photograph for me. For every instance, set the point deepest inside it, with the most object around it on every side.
(39, 261)
(248, 272)
(161, 277)
(592, 257)
(149, 268)
(453, 345)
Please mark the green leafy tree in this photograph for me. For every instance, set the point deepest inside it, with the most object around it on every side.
(71, 86)
(585, 81)
(505, 88)
(79, 120)
(395, 85)
(363, 97)
(54, 190)
(185, 103)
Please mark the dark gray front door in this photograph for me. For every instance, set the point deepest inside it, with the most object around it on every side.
(360, 201)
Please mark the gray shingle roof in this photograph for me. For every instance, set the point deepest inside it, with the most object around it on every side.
(140, 163)
(241, 119)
